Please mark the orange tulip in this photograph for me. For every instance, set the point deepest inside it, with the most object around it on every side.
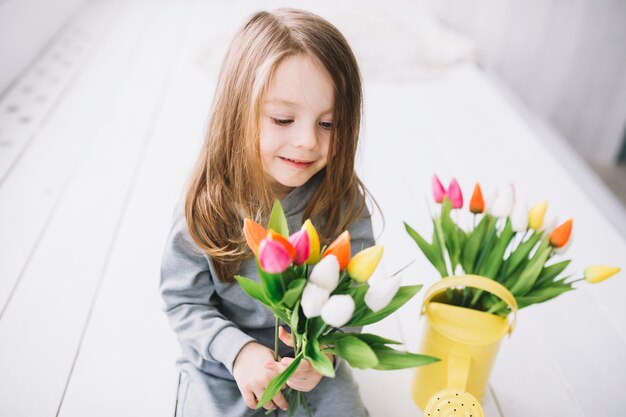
(561, 234)
(341, 249)
(254, 234)
(273, 235)
(477, 204)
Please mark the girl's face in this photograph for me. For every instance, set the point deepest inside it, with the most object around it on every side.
(296, 123)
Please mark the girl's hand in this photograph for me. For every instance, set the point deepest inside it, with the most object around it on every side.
(252, 377)
(306, 377)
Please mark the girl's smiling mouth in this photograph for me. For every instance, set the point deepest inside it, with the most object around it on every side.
(297, 163)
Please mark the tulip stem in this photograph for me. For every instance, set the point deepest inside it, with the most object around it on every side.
(276, 340)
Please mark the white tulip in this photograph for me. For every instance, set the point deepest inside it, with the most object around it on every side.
(325, 273)
(519, 216)
(313, 299)
(379, 295)
(338, 310)
(503, 204)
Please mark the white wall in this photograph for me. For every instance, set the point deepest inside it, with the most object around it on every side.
(565, 58)
(26, 27)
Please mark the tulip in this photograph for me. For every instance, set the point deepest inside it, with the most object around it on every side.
(455, 195)
(300, 242)
(560, 235)
(273, 235)
(254, 234)
(314, 242)
(537, 214)
(363, 264)
(325, 274)
(273, 256)
(477, 204)
(599, 273)
(438, 191)
(379, 295)
(338, 310)
(341, 249)
(519, 216)
(313, 299)
(503, 203)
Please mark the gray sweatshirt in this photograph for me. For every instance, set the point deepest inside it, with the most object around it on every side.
(213, 320)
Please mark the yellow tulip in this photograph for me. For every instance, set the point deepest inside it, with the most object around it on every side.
(363, 264)
(536, 215)
(314, 241)
(598, 273)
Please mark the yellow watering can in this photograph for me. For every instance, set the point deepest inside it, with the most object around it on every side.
(466, 341)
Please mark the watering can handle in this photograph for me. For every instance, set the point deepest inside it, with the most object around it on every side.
(474, 281)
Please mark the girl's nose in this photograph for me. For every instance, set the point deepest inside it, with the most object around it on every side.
(306, 138)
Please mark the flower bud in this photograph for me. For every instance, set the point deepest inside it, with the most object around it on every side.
(325, 274)
(379, 295)
(313, 299)
(338, 310)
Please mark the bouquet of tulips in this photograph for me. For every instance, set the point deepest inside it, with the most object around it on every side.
(316, 304)
(507, 243)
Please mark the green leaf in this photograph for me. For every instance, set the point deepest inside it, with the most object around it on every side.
(541, 295)
(403, 295)
(278, 221)
(495, 257)
(294, 321)
(253, 289)
(472, 245)
(451, 236)
(315, 327)
(520, 254)
(370, 339)
(293, 292)
(430, 251)
(277, 382)
(439, 245)
(356, 352)
(532, 270)
(487, 244)
(549, 273)
(318, 360)
(390, 359)
(272, 285)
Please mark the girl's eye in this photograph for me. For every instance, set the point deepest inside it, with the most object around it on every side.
(326, 125)
(281, 122)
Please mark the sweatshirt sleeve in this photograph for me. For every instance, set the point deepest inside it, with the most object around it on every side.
(191, 303)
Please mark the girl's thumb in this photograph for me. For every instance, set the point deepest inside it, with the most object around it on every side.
(285, 337)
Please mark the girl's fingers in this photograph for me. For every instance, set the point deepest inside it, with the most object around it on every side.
(280, 401)
(249, 399)
(285, 337)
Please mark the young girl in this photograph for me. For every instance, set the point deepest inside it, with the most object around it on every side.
(284, 124)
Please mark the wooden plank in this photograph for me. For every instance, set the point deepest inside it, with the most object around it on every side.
(64, 273)
(31, 193)
(138, 371)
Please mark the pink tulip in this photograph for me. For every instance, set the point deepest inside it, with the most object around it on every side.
(273, 256)
(438, 191)
(300, 241)
(455, 195)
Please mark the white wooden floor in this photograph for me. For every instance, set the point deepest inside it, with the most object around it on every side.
(96, 140)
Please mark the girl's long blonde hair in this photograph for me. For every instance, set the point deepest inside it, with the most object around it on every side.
(227, 183)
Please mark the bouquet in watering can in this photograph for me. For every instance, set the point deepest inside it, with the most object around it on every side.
(317, 292)
(506, 242)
